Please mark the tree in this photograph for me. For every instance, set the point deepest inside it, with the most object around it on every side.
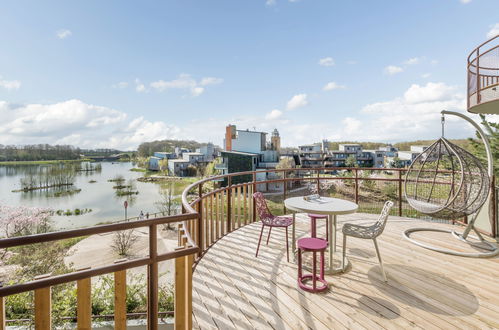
(492, 132)
(21, 221)
(351, 161)
(168, 204)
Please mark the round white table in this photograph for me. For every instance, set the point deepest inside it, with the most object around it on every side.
(323, 205)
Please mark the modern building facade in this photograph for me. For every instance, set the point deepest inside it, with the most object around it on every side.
(246, 150)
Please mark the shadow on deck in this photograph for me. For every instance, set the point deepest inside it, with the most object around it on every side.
(425, 289)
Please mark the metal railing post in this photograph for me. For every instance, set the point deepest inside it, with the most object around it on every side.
(356, 186)
(400, 193)
(284, 191)
(229, 204)
(200, 220)
(318, 182)
(254, 191)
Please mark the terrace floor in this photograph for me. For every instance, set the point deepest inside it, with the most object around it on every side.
(425, 289)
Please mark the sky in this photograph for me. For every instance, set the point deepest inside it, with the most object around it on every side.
(113, 74)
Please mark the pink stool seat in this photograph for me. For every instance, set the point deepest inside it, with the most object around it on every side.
(313, 224)
(317, 216)
(314, 245)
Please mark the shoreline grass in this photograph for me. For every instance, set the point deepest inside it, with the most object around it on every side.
(42, 162)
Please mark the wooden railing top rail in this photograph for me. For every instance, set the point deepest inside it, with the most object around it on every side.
(101, 229)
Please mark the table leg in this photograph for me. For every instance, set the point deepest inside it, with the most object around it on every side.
(334, 233)
(293, 235)
(330, 248)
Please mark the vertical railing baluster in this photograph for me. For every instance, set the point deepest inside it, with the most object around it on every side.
(200, 220)
(245, 203)
(217, 218)
(120, 299)
(43, 306)
(229, 206)
(2, 312)
(183, 291)
(400, 193)
(84, 303)
(252, 199)
(284, 190)
(356, 186)
(152, 280)
(318, 182)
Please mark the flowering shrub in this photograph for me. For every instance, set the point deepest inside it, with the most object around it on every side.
(21, 220)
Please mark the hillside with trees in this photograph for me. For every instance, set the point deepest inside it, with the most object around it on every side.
(147, 149)
(38, 152)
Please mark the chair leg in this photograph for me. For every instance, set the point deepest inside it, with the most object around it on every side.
(287, 245)
(270, 230)
(259, 240)
(344, 251)
(379, 258)
(327, 229)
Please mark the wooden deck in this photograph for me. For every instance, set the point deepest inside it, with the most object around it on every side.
(425, 289)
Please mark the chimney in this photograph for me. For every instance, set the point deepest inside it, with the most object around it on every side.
(230, 133)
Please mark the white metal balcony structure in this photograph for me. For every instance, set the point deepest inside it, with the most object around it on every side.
(483, 78)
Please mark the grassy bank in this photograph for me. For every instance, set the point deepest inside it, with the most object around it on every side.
(41, 162)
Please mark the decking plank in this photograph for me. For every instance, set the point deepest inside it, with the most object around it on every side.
(425, 289)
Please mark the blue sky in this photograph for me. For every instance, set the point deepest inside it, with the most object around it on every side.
(117, 73)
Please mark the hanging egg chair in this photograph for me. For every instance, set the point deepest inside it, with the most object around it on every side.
(446, 182)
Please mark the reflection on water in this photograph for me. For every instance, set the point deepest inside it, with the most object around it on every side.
(98, 196)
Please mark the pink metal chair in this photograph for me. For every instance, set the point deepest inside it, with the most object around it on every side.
(270, 220)
(313, 224)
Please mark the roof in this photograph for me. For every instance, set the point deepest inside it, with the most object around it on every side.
(178, 161)
(193, 153)
(240, 153)
(248, 131)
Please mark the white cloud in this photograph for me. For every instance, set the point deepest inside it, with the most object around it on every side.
(63, 33)
(270, 2)
(121, 85)
(326, 61)
(413, 61)
(211, 81)
(414, 116)
(494, 30)
(332, 86)
(139, 86)
(426, 75)
(274, 114)
(393, 69)
(465, 1)
(185, 81)
(297, 101)
(429, 93)
(433, 62)
(10, 84)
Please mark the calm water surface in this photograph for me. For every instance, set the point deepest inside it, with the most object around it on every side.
(99, 196)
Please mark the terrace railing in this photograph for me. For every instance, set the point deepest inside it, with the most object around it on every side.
(224, 203)
(42, 285)
(483, 77)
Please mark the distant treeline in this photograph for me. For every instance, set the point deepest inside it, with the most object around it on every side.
(147, 149)
(38, 152)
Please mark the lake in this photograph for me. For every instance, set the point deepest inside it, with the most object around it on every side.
(99, 196)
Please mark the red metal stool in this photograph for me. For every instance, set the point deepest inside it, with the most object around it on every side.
(313, 245)
(313, 224)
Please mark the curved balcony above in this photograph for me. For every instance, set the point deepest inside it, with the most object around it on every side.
(483, 78)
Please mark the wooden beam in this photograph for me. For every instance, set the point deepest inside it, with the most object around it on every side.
(120, 299)
(2, 313)
(84, 303)
(43, 306)
(180, 293)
